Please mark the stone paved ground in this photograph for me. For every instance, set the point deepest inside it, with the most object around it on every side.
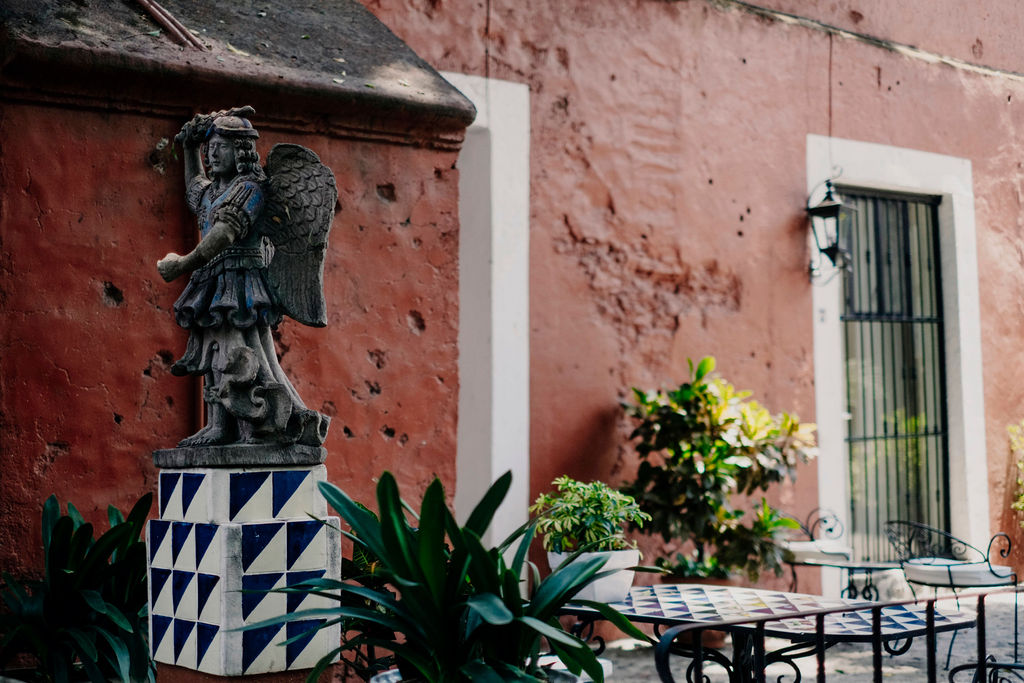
(846, 663)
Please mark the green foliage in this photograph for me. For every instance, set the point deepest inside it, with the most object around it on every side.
(449, 608)
(86, 619)
(589, 516)
(1016, 433)
(700, 445)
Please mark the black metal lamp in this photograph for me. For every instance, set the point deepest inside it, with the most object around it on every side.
(826, 218)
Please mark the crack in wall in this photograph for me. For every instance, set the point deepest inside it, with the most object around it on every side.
(643, 294)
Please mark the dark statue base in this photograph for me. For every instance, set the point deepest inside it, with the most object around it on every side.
(240, 455)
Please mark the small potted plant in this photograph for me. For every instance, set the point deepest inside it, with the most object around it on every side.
(701, 445)
(591, 518)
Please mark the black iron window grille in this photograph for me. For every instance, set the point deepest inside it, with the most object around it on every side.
(892, 322)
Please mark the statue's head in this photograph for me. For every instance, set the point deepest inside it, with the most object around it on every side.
(241, 136)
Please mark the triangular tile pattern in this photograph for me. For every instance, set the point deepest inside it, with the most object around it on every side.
(301, 537)
(168, 486)
(157, 580)
(158, 529)
(160, 628)
(190, 483)
(254, 587)
(295, 578)
(286, 483)
(182, 584)
(211, 657)
(205, 633)
(207, 554)
(303, 631)
(255, 642)
(711, 604)
(197, 554)
(183, 546)
(263, 543)
(248, 489)
(182, 634)
(206, 584)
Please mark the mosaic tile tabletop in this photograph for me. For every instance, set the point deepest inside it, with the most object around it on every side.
(681, 603)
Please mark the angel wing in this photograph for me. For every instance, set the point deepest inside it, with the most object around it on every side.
(297, 215)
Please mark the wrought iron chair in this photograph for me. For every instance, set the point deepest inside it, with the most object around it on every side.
(818, 541)
(935, 558)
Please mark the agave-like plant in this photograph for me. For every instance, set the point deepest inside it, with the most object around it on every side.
(447, 607)
(86, 618)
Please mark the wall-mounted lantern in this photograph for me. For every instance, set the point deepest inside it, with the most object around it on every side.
(826, 220)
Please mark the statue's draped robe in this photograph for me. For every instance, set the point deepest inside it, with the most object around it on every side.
(228, 309)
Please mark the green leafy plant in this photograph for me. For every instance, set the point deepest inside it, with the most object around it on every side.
(1016, 434)
(590, 516)
(447, 607)
(699, 446)
(86, 619)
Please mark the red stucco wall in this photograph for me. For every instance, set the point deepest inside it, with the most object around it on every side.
(89, 205)
(668, 186)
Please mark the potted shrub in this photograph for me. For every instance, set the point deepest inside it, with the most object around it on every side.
(445, 606)
(591, 517)
(85, 619)
(700, 446)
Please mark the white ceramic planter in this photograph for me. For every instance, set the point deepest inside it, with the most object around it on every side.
(612, 588)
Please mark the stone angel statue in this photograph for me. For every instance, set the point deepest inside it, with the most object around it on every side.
(261, 256)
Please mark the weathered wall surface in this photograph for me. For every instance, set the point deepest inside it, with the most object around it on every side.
(668, 186)
(90, 204)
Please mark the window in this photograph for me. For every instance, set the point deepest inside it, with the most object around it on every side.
(893, 338)
(874, 170)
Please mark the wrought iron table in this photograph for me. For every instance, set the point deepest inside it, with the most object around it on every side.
(726, 608)
(854, 568)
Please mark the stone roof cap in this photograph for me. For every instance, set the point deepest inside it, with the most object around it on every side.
(334, 52)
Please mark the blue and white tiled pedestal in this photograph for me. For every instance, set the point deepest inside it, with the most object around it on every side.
(226, 534)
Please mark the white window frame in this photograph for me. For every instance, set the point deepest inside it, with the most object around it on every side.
(882, 167)
(494, 317)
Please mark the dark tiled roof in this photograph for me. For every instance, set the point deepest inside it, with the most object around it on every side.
(335, 49)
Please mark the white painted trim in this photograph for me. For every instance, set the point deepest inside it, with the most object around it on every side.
(893, 168)
(494, 270)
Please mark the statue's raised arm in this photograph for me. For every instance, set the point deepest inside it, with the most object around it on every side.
(260, 256)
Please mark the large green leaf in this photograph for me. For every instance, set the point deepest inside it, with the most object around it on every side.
(395, 532)
(552, 632)
(561, 584)
(704, 367)
(122, 657)
(96, 601)
(579, 659)
(60, 542)
(483, 565)
(432, 555)
(81, 540)
(484, 511)
(490, 608)
(362, 521)
(479, 671)
(75, 515)
(367, 615)
(85, 645)
(51, 513)
(617, 619)
(98, 556)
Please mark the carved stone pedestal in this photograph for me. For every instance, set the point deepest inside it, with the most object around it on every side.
(225, 535)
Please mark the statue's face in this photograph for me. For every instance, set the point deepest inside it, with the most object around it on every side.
(220, 153)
